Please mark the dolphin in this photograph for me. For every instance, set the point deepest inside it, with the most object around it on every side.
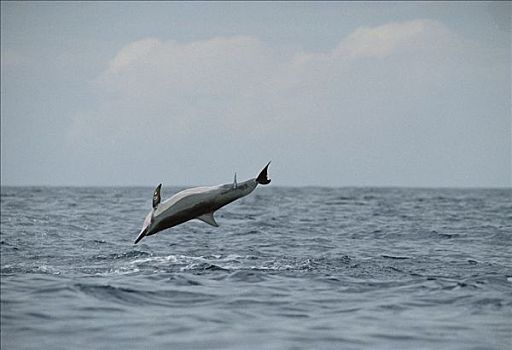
(196, 203)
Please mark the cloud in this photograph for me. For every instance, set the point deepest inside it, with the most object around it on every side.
(230, 82)
(398, 37)
(343, 104)
(222, 65)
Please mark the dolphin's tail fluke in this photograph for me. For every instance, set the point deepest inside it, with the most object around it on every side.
(263, 176)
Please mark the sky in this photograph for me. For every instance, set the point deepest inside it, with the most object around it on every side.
(414, 94)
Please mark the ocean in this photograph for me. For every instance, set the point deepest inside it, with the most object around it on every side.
(288, 268)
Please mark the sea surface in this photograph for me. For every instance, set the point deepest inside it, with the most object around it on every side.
(288, 268)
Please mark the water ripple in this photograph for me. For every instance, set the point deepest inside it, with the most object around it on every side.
(291, 268)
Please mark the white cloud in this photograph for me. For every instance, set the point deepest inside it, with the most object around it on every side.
(385, 40)
(347, 103)
(216, 66)
(233, 81)
(132, 54)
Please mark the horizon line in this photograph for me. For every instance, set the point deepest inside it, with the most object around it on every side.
(504, 187)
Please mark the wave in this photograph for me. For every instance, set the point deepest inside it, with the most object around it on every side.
(141, 296)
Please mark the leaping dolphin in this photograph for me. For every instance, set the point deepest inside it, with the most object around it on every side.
(196, 203)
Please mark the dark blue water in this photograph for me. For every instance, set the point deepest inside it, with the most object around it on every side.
(288, 268)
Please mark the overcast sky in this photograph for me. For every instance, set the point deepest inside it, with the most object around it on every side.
(334, 93)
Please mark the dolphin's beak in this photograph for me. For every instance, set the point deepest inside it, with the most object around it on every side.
(141, 235)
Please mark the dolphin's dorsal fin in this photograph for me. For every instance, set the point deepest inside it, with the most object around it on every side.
(235, 184)
(209, 219)
(156, 196)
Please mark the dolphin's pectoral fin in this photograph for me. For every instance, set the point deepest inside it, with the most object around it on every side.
(156, 196)
(209, 219)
